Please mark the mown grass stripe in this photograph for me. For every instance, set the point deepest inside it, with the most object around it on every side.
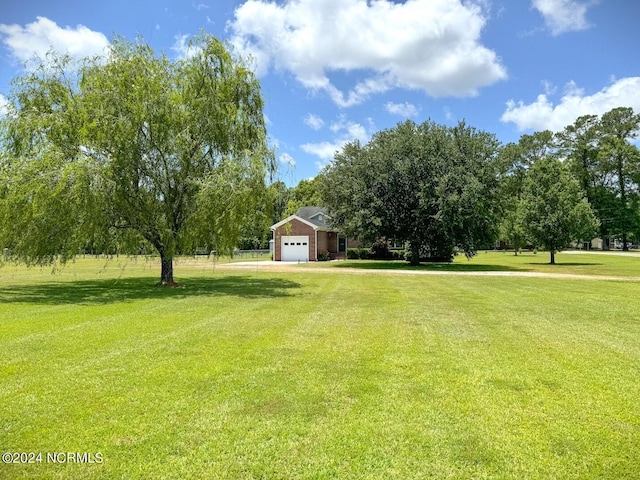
(314, 375)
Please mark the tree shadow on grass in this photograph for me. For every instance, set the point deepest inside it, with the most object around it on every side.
(565, 264)
(96, 292)
(443, 267)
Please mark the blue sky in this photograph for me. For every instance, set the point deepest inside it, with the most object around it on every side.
(337, 70)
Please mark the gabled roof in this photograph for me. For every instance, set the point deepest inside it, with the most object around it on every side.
(315, 217)
(291, 217)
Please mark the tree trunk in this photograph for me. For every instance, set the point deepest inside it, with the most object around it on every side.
(166, 276)
(623, 200)
(415, 254)
(553, 256)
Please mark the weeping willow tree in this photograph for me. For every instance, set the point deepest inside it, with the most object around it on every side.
(132, 148)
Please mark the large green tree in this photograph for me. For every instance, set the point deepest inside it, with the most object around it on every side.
(607, 166)
(620, 163)
(431, 186)
(514, 161)
(579, 145)
(305, 194)
(553, 208)
(129, 148)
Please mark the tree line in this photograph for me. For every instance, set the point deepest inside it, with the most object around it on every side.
(447, 189)
(442, 190)
(134, 151)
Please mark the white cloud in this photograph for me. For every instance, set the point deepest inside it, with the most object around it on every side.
(350, 130)
(448, 114)
(549, 88)
(561, 16)
(403, 109)
(182, 48)
(313, 121)
(430, 45)
(4, 105)
(543, 114)
(344, 131)
(325, 151)
(37, 38)
(287, 159)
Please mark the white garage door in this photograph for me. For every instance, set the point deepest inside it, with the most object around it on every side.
(295, 248)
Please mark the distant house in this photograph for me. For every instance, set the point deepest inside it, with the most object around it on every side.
(605, 244)
(304, 236)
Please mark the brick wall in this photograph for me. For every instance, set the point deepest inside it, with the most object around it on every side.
(353, 243)
(323, 244)
(294, 227)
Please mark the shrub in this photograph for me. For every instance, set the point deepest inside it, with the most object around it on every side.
(364, 254)
(398, 254)
(438, 254)
(380, 250)
(323, 256)
(374, 254)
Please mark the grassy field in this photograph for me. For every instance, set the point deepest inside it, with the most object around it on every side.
(313, 374)
(575, 263)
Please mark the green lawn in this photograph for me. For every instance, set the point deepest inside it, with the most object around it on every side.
(309, 374)
(597, 263)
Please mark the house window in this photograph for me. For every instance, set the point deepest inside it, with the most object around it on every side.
(298, 243)
(286, 244)
(304, 243)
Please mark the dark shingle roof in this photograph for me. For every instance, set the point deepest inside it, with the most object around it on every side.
(316, 215)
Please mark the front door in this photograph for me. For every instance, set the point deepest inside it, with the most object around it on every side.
(342, 245)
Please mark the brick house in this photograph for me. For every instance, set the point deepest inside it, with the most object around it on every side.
(306, 234)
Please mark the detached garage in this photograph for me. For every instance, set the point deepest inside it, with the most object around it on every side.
(305, 235)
